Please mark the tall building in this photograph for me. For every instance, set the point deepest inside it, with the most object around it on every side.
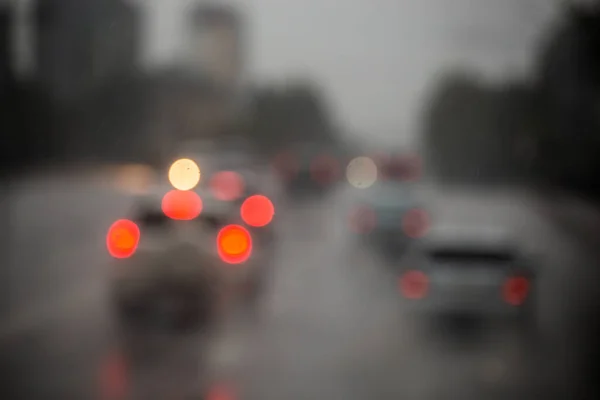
(79, 44)
(5, 45)
(215, 47)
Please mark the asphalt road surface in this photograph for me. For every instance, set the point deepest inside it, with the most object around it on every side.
(330, 326)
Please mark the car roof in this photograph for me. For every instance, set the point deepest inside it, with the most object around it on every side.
(469, 237)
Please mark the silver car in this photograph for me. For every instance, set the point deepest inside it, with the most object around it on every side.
(473, 272)
(389, 216)
(180, 272)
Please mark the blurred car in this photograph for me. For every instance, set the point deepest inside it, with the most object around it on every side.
(309, 167)
(177, 260)
(389, 216)
(231, 171)
(472, 272)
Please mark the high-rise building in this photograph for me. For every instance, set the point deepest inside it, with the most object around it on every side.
(79, 44)
(216, 44)
(5, 44)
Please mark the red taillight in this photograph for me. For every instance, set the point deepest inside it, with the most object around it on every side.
(257, 211)
(122, 238)
(363, 220)
(234, 244)
(114, 377)
(181, 205)
(227, 185)
(221, 392)
(324, 169)
(414, 285)
(415, 223)
(515, 290)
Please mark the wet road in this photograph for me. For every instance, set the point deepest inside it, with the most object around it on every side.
(331, 324)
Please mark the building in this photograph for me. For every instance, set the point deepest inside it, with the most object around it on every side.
(81, 44)
(215, 44)
(5, 46)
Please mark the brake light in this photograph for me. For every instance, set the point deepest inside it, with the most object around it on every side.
(515, 290)
(415, 223)
(414, 285)
(257, 211)
(234, 244)
(181, 205)
(363, 220)
(227, 185)
(122, 238)
(114, 377)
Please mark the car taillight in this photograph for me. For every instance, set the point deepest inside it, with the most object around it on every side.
(257, 211)
(227, 185)
(114, 377)
(234, 244)
(324, 169)
(414, 285)
(515, 290)
(415, 223)
(363, 220)
(122, 238)
(181, 205)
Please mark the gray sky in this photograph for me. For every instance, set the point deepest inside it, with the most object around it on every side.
(375, 58)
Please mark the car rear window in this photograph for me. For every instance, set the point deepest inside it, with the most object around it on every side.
(468, 256)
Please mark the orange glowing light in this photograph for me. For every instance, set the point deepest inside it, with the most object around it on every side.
(181, 205)
(257, 211)
(227, 185)
(234, 244)
(122, 238)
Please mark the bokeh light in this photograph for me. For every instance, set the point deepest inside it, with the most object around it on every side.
(361, 172)
(257, 211)
(122, 238)
(184, 174)
(181, 205)
(227, 185)
(234, 244)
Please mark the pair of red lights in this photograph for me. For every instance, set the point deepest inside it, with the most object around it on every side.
(256, 211)
(415, 222)
(414, 285)
(234, 243)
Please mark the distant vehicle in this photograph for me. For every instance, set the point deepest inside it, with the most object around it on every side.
(310, 167)
(175, 267)
(389, 216)
(471, 272)
(230, 171)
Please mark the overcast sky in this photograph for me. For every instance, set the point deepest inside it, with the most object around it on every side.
(375, 58)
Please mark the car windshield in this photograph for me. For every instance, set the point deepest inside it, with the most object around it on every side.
(330, 140)
(387, 194)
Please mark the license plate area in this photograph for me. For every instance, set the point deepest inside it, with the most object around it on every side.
(465, 281)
